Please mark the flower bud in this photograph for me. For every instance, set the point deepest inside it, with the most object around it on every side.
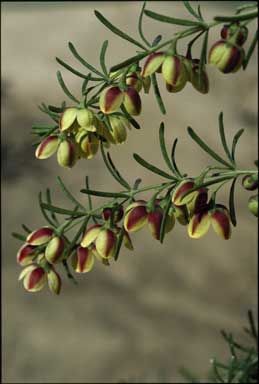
(54, 250)
(54, 281)
(253, 205)
(89, 146)
(199, 225)
(25, 254)
(240, 33)
(117, 214)
(134, 81)
(66, 154)
(153, 63)
(90, 235)
(180, 190)
(199, 202)
(47, 147)
(174, 72)
(34, 278)
(155, 221)
(119, 131)
(202, 85)
(40, 236)
(250, 182)
(226, 57)
(106, 243)
(86, 118)
(132, 102)
(135, 216)
(111, 99)
(83, 260)
(220, 221)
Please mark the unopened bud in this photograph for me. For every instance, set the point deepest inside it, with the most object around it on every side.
(226, 56)
(111, 99)
(47, 147)
(250, 182)
(253, 205)
(153, 63)
(174, 72)
(67, 154)
(54, 281)
(54, 250)
(240, 33)
(40, 236)
(132, 102)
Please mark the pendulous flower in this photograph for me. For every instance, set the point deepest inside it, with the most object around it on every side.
(250, 182)
(253, 205)
(74, 118)
(226, 56)
(34, 277)
(67, 153)
(54, 251)
(40, 236)
(174, 72)
(47, 147)
(111, 99)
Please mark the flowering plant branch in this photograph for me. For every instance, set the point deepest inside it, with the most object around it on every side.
(101, 117)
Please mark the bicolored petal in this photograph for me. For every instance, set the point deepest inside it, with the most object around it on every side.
(180, 190)
(181, 214)
(106, 243)
(226, 57)
(134, 81)
(89, 146)
(174, 72)
(253, 205)
(85, 117)
(118, 132)
(111, 99)
(199, 225)
(67, 118)
(29, 268)
(54, 250)
(34, 280)
(67, 154)
(135, 219)
(240, 32)
(54, 281)
(199, 202)
(117, 214)
(250, 182)
(136, 203)
(25, 254)
(40, 236)
(132, 102)
(155, 220)
(47, 147)
(83, 260)
(221, 222)
(90, 235)
(153, 63)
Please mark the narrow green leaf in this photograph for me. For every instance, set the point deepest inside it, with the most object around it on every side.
(76, 237)
(163, 147)
(103, 194)
(61, 211)
(55, 109)
(116, 30)
(234, 143)
(137, 183)
(131, 60)
(252, 324)
(165, 213)
(232, 203)
(68, 194)
(132, 121)
(42, 208)
(157, 94)
(82, 61)
(203, 57)
(26, 229)
(250, 50)
(64, 87)
(85, 83)
(156, 40)
(48, 198)
(110, 168)
(171, 20)
(18, 236)
(151, 167)
(191, 10)
(244, 7)
(199, 13)
(247, 16)
(140, 28)
(90, 204)
(223, 137)
(119, 244)
(43, 127)
(173, 158)
(123, 181)
(205, 147)
(71, 69)
(102, 57)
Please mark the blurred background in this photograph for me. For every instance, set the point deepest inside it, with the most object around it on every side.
(160, 307)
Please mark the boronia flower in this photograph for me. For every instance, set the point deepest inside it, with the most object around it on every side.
(113, 97)
(104, 239)
(82, 260)
(182, 188)
(250, 182)
(174, 72)
(34, 277)
(153, 63)
(218, 217)
(40, 236)
(47, 147)
(119, 126)
(133, 79)
(74, 118)
(88, 143)
(117, 213)
(67, 153)
(239, 33)
(25, 254)
(226, 56)
(54, 251)
(54, 281)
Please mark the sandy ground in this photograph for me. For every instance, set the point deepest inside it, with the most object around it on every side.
(160, 307)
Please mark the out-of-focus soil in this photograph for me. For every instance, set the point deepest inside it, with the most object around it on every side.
(159, 307)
